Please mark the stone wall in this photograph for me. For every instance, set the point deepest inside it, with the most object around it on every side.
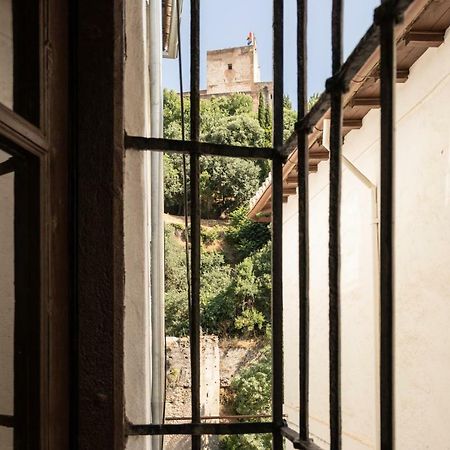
(231, 70)
(178, 403)
(235, 70)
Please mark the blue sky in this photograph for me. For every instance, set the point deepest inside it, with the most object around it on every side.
(227, 23)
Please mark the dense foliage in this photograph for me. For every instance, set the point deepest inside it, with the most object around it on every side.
(235, 298)
(252, 388)
(226, 183)
(245, 235)
(235, 256)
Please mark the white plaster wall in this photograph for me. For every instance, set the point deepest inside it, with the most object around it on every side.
(6, 53)
(6, 302)
(422, 274)
(137, 227)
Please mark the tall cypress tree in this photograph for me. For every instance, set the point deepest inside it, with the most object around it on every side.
(261, 109)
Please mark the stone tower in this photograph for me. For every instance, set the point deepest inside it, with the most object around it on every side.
(233, 70)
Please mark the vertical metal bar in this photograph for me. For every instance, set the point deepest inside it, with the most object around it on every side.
(277, 227)
(334, 229)
(303, 219)
(386, 20)
(194, 308)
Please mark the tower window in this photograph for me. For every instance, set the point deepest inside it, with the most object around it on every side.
(230, 66)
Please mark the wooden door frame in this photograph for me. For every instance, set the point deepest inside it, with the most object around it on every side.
(48, 145)
(79, 149)
(97, 31)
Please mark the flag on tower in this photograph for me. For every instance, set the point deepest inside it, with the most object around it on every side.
(250, 38)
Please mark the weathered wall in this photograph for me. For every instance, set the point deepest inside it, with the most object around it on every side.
(6, 302)
(137, 227)
(240, 78)
(179, 386)
(422, 273)
(243, 77)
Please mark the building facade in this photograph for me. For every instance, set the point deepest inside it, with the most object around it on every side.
(422, 290)
(236, 70)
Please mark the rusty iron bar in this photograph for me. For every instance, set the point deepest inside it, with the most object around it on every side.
(303, 219)
(336, 88)
(196, 430)
(357, 58)
(386, 16)
(183, 140)
(6, 421)
(292, 436)
(277, 228)
(342, 75)
(200, 148)
(194, 306)
(225, 417)
(7, 166)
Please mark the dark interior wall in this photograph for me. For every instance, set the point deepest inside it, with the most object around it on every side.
(98, 212)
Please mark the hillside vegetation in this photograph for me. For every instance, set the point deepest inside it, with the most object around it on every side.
(235, 252)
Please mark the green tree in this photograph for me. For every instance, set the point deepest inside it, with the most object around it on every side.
(252, 389)
(242, 306)
(176, 299)
(226, 183)
(312, 100)
(245, 235)
(241, 129)
(261, 108)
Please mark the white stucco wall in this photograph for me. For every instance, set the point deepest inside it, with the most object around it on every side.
(422, 274)
(6, 302)
(137, 346)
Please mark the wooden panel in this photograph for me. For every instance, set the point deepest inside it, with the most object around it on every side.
(372, 102)
(352, 124)
(436, 17)
(424, 38)
(99, 420)
(321, 154)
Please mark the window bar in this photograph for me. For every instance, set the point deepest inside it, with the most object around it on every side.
(194, 306)
(7, 166)
(277, 227)
(303, 219)
(6, 421)
(386, 17)
(201, 148)
(336, 88)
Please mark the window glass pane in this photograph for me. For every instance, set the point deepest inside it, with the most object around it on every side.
(6, 300)
(19, 57)
(6, 53)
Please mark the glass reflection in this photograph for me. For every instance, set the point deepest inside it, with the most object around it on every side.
(7, 300)
(19, 57)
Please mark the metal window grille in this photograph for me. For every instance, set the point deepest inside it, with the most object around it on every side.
(381, 33)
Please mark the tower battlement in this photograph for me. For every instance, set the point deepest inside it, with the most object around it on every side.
(236, 70)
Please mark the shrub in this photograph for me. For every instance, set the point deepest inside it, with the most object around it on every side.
(176, 301)
(250, 321)
(252, 389)
(210, 235)
(245, 235)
